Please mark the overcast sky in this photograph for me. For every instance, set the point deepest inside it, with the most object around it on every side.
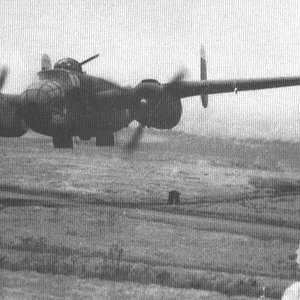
(154, 39)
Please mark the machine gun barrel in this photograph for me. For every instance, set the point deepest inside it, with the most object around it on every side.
(89, 59)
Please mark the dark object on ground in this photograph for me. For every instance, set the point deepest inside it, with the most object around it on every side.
(174, 198)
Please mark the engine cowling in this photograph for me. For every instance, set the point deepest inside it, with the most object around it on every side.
(156, 109)
(11, 122)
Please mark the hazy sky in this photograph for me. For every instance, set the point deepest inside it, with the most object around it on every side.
(154, 39)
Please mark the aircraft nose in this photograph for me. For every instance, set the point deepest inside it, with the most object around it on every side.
(38, 102)
(43, 92)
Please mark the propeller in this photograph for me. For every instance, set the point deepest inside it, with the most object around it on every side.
(132, 144)
(178, 77)
(203, 75)
(45, 62)
(3, 76)
(146, 94)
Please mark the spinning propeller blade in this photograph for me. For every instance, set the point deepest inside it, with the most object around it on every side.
(45, 62)
(135, 139)
(179, 76)
(203, 75)
(3, 76)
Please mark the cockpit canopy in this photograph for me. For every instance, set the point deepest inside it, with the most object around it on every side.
(68, 64)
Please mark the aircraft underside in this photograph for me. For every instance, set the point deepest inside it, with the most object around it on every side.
(65, 139)
(84, 128)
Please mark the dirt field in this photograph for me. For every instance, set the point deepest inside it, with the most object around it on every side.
(98, 214)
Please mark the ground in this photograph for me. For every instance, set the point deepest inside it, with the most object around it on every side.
(95, 214)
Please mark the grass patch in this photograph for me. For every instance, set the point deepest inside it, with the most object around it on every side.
(32, 285)
(171, 248)
(228, 284)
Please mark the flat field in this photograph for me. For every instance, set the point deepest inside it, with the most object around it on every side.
(94, 214)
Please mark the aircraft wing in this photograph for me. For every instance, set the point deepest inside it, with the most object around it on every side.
(117, 97)
(185, 89)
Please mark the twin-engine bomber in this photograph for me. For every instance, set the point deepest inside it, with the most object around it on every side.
(65, 102)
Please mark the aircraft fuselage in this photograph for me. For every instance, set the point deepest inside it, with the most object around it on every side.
(63, 100)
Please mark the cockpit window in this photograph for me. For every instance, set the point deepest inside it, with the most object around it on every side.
(68, 64)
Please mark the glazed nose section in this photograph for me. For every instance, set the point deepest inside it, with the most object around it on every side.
(39, 99)
(42, 93)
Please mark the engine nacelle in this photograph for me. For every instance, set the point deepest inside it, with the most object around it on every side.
(14, 130)
(11, 122)
(164, 114)
(156, 109)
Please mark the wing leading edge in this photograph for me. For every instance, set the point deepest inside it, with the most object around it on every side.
(182, 89)
(185, 89)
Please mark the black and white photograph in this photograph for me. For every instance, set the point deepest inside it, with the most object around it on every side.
(150, 149)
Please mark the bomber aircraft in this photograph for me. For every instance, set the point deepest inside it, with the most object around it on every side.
(65, 102)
